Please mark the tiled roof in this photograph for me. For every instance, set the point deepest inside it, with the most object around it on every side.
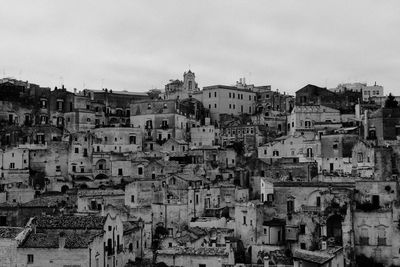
(130, 226)
(191, 235)
(90, 193)
(70, 222)
(318, 257)
(10, 232)
(275, 222)
(51, 201)
(203, 251)
(50, 239)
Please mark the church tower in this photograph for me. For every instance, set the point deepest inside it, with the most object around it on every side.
(189, 83)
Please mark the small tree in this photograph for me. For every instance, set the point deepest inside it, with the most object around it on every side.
(391, 102)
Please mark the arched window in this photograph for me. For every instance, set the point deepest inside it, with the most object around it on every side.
(309, 153)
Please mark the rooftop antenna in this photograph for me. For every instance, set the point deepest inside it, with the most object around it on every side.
(61, 81)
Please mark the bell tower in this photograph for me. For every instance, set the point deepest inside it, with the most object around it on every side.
(189, 82)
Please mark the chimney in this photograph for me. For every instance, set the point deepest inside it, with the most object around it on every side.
(74, 90)
(32, 224)
(266, 262)
(61, 240)
(324, 245)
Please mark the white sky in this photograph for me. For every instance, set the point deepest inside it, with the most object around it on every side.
(138, 45)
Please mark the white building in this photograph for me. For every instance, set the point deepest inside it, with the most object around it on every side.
(298, 145)
(372, 91)
(305, 118)
(117, 139)
(222, 99)
(204, 136)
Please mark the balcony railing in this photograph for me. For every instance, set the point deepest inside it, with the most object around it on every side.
(381, 241)
(306, 208)
(103, 171)
(364, 241)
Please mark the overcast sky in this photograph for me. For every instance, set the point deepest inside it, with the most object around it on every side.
(139, 45)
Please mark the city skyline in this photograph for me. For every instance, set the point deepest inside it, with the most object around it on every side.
(286, 45)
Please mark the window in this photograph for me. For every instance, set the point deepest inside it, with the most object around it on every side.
(140, 170)
(215, 105)
(202, 265)
(30, 258)
(230, 95)
(76, 150)
(133, 199)
(132, 139)
(85, 152)
(74, 168)
(275, 153)
(244, 220)
(290, 205)
(360, 157)
(119, 171)
(303, 245)
(309, 153)
(335, 146)
(58, 168)
(197, 199)
(43, 103)
(364, 237)
(12, 165)
(375, 200)
(318, 201)
(215, 94)
(302, 229)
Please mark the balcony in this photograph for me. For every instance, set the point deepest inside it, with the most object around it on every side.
(16, 171)
(364, 241)
(381, 241)
(102, 171)
(312, 209)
